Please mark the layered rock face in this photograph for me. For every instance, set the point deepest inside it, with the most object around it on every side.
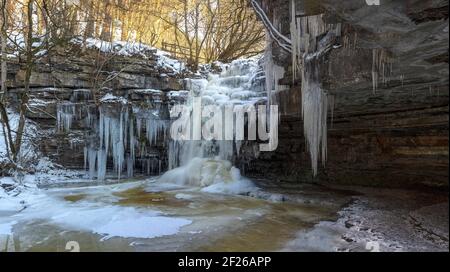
(386, 79)
(66, 99)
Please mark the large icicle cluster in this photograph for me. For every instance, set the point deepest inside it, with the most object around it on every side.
(311, 38)
(120, 134)
(124, 136)
(314, 112)
(65, 114)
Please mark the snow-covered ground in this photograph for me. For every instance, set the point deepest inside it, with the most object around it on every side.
(128, 49)
(151, 215)
(121, 48)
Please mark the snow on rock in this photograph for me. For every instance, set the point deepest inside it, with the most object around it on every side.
(124, 48)
(31, 159)
(110, 98)
(148, 91)
(48, 172)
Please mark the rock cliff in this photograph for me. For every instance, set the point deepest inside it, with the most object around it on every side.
(387, 83)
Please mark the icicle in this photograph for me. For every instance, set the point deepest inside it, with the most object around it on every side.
(81, 95)
(382, 63)
(101, 164)
(295, 41)
(65, 115)
(306, 53)
(314, 112)
(374, 71)
(130, 167)
(273, 75)
(92, 157)
(85, 152)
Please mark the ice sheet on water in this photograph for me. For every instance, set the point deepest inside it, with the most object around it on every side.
(105, 219)
(114, 221)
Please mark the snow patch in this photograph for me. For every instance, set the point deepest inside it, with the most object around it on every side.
(6, 228)
(110, 98)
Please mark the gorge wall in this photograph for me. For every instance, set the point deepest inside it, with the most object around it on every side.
(386, 79)
(66, 91)
(387, 84)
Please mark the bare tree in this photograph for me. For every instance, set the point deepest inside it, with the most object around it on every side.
(31, 45)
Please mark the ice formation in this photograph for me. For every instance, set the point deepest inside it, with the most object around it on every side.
(273, 74)
(239, 91)
(116, 129)
(119, 131)
(382, 63)
(125, 136)
(239, 83)
(65, 116)
(212, 175)
(311, 37)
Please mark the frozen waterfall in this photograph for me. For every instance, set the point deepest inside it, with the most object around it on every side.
(126, 135)
(207, 163)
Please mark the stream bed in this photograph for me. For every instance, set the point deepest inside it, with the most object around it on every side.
(145, 215)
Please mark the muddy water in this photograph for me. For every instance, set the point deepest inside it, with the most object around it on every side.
(218, 222)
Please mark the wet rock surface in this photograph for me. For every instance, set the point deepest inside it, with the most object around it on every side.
(68, 85)
(381, 220)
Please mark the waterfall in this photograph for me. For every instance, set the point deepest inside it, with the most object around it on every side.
(237, 90)
(239, 83)
(124, 135)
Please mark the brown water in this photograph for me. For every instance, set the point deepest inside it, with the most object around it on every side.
(219, 222)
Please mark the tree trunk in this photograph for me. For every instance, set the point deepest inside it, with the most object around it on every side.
(4, 119)
(24, 95)
(90, 22)
(107, 24)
